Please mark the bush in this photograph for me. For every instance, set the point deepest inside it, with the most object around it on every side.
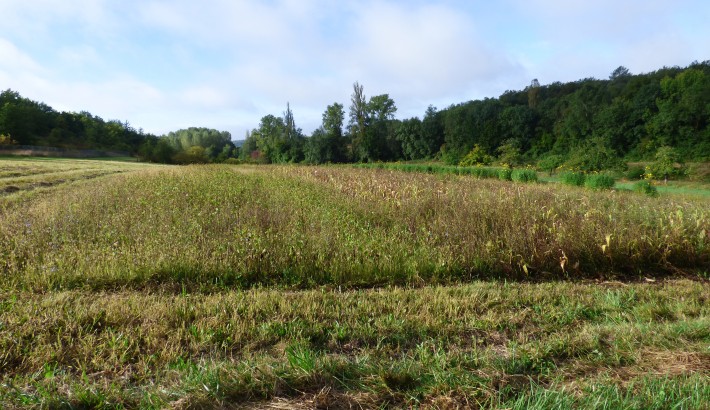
(646, 188)
(599, 181)
(524, 175)
(572, 178)
(595, 154)
(635, 173)
(477, 156)
(481, 172)
(505, 174)
(668, 164)
(193, 155)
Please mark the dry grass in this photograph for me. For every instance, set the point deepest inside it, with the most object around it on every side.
(286, 287)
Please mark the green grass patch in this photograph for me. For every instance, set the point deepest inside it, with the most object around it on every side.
(599, 181)
(573, 178)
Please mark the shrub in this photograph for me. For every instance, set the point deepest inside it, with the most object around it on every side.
(572, 178)
(193, 155)
(524, 175)
(646, 188)
(635, 173)
(595, 154)
(477, 156)
(668, 164)
(599, 181)
(481, 172)
(505, 174)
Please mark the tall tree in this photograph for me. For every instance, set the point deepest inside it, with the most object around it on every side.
(327, 143)
(358, 119)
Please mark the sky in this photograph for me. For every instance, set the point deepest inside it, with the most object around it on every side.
(164, 65)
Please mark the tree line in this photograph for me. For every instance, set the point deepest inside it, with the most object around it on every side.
(588, 124)
(27, 122)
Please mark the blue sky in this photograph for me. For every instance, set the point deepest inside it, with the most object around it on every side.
(163, 65)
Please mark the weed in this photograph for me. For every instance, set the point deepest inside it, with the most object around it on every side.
(646, 187)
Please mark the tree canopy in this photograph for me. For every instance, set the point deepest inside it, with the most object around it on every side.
(590, 123)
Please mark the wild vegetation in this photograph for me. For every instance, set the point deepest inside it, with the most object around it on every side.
(203, 286)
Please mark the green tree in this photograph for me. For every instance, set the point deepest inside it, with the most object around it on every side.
(550, 163)
(380, 142)
(358, 120)
(409, 134)
(684, 112)
(594, 154)
(193, 155)
(668, 164)
(213, 141)
(327, 143)
(270, 138)
(533, 93)
(432, 134)
(509, 153)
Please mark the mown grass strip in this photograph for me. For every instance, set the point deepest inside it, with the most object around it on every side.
(482, 343)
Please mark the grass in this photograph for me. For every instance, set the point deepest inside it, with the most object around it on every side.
(402, 346)
(674, 188)
(303, 287)
(302, 227)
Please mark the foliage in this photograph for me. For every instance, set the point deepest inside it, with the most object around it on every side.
(505, 174)
(523, 175)
(572, 178)
(158, 150)
(35, 123)
(509, 153)
(646, 188)
(6, 139)
(550, 163)
(277, 140)
(192, 155)
(592, 124)
(635, 172)
(599, 181)
(594, 155)
(477, 156)
(668, 164)
(327, 143)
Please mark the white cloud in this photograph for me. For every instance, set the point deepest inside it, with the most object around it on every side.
(15, 61)
(221, 63)
(425, 52)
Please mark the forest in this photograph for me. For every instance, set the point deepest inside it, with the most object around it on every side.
(590, 124)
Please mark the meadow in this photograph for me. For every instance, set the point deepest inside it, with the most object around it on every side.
(129, 285)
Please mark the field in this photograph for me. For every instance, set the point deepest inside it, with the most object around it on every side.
(128, 285)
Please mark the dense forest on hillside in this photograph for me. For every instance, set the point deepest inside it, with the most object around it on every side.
(26, 122)
(589, 124)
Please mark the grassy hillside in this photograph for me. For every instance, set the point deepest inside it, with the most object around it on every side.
(129, 285)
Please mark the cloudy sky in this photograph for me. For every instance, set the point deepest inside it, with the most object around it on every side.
(163, 65)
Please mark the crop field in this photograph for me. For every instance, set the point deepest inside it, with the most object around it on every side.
(128, 285)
